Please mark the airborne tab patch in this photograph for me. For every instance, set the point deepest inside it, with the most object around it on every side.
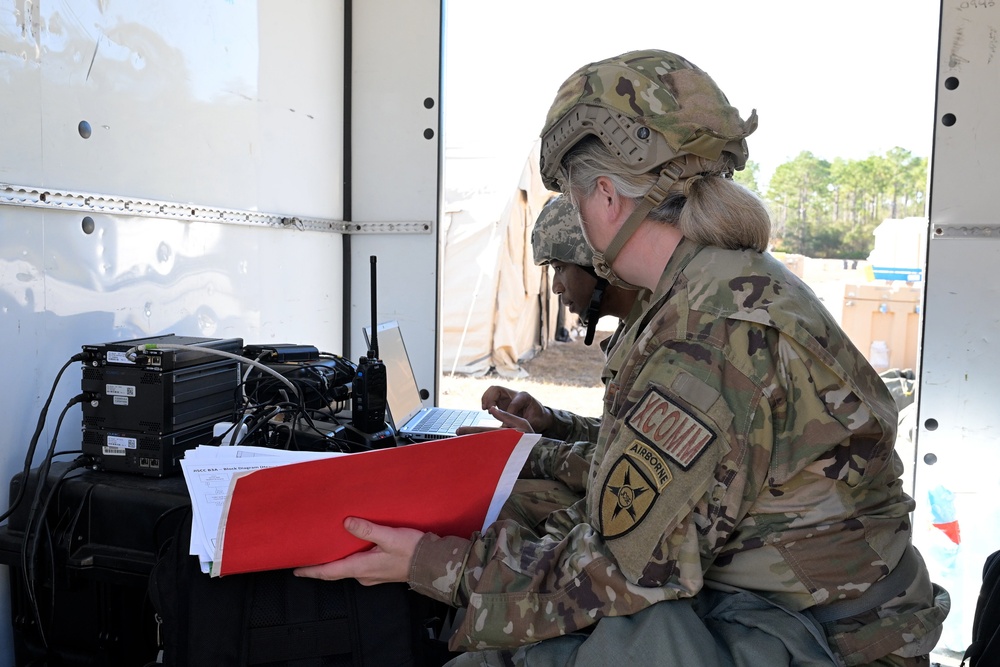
(651, 459)
(669, 428)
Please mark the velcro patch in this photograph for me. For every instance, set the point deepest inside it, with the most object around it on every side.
(669, 428)
(626, 498)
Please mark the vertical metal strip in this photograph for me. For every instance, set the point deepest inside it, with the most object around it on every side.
(439, 260)
(346, 185)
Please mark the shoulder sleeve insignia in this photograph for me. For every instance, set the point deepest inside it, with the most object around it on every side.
(626, 498)
(670, 428)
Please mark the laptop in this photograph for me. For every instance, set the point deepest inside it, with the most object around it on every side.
(406, 411)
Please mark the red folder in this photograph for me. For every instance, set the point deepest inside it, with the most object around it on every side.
(292, 515)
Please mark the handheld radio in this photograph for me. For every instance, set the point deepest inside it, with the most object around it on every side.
(368, 388)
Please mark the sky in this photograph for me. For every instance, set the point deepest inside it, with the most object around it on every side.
(844, 79)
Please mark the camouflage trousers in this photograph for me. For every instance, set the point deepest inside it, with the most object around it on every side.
(714, 629)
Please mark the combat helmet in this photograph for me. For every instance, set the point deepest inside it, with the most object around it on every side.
(649, 108)
(558, 236)
(655, 111)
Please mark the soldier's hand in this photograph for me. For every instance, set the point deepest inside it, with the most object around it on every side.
(510, 420)
(506, 419)
(497, 396)
(524, 405)
(516, 409)
(388, 560)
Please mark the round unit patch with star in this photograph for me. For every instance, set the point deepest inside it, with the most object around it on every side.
(626, 498)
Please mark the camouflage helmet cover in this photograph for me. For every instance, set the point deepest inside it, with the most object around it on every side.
(557, 235)
(648, 107)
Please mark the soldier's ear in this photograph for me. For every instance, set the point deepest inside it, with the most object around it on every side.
(605, 190)
(614, 207)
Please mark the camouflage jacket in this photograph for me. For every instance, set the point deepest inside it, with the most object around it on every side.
(745, 442)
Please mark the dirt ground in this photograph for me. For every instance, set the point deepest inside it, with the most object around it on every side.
(564, 375)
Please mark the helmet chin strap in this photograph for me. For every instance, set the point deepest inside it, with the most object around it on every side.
(653, 198)
(594, 310)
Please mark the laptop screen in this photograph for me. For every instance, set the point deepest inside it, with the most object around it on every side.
(402, 394)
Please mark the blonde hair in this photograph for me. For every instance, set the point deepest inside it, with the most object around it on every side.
(708, 208)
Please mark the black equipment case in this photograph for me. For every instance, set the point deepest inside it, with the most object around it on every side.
(110, 584)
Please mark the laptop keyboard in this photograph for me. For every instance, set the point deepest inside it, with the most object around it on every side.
(445, 421)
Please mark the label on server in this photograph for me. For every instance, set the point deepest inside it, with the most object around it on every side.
(120, 390)
(118, 358)
(120, 442)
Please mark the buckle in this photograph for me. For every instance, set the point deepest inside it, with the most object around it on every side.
(668, 176)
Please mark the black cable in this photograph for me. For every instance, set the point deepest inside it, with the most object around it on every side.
(281, 430)
(267, 389)
(262, 422)
(321, 392)
(163, 516)
(34, 438)
(329, 414)
(317, 384)
(76, 464)
(66, 452)
(27, 565)
(315, 388)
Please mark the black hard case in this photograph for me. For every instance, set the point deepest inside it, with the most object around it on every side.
(92, 581)
(91, 572)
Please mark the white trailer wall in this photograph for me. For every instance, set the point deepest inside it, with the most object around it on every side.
(208, 196)
(958, 433)
(396, 172)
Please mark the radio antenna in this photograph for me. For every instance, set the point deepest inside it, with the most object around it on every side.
(373, 348)
(368, 428)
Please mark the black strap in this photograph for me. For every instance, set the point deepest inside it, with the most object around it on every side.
(653, 198)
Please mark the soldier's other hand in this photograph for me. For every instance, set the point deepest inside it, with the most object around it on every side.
(524, 405)
(517, 404)
(497, 396)
(511, 420)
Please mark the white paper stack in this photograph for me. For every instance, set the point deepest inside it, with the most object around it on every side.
(208, 472)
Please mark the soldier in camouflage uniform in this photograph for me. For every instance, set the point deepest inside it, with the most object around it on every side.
(557, 240)
(743, 504)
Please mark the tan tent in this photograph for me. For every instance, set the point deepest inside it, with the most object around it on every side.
(497, 306)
